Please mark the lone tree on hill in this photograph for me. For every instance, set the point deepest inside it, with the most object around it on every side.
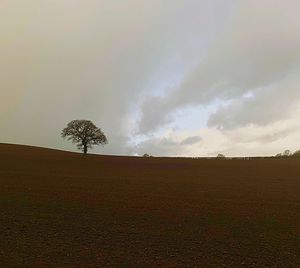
(85, 134)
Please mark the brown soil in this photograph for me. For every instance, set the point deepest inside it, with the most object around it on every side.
(61, 209)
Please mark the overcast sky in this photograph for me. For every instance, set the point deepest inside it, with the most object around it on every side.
(164, 77)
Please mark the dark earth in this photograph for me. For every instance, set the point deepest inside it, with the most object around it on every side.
(62, 209)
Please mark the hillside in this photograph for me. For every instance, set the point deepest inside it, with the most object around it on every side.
(62, 209)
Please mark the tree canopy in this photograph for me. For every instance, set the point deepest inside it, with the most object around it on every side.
(85, 134)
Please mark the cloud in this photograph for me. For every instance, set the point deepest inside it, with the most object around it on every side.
(251, 55)
(267, 105)
(63, 60)
(191, 140)
(171, 142)
(134, 66)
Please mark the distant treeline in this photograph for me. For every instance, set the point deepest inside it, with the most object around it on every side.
(285, 154)
(288, 153)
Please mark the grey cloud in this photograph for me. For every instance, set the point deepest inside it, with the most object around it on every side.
(164, 146)
(63, 60)
(273, 137)
(191, 140)
(167, 146)
(268, 105)
(250, 54)
(157, 147)
(267, 136)
(155, 107)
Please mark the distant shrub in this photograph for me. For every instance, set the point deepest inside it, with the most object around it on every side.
(221, 156)
(147, 155)
(296, 154)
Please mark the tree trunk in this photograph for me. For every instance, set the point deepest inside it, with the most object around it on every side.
(85, 149)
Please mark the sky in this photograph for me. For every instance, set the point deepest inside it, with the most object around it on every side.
(167, 78)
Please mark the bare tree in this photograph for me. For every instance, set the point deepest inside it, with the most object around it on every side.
(85, 134)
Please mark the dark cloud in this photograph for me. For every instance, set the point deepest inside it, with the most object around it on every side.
(191, 140)
(254, 55)
(131, 66)
(267, 105)
(63, 60)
